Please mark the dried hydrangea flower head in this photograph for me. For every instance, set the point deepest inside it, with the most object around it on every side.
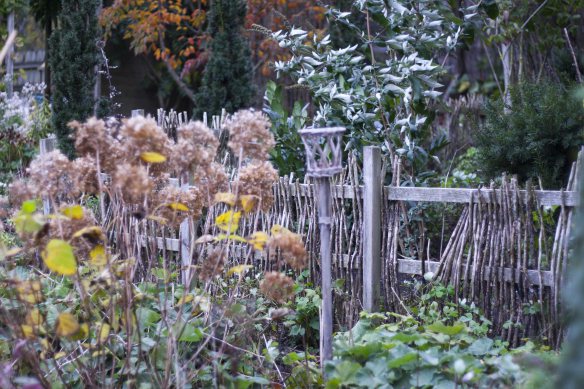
(249, 133)
(68, 223)
(291, 248)
(20, 191)
(213, 265)
(86, 168)
(4, 208)
(277, 287)
(196, 147)
(211, 179)
(258, 179)
(53, 174)
(93, 138)
(142, 135)
(132, 183)
(175, 204)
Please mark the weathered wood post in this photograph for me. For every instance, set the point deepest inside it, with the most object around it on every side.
(323, 161)
(371, 227)
(9, 60)
(46, 146)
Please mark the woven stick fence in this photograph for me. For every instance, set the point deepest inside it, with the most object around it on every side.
(499, 254)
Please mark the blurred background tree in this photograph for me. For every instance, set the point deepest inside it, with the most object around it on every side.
(73, 59)
(227, 80)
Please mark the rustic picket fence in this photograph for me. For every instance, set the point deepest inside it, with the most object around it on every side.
(500, 254)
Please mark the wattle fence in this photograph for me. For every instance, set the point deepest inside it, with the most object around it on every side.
(496, 246)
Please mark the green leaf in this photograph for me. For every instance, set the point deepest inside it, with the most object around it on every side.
(480, 346)
(147, 317)
(191, 334)
(439, 327)
(398, 362)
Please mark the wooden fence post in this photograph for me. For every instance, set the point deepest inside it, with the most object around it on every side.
(371, 227)
(186, 245)
(46, 146)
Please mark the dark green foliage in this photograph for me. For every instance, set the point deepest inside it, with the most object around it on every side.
(572, 373)
(288, 156)
(440, 344)
(227, 82)
(539, 136)
(73, 58)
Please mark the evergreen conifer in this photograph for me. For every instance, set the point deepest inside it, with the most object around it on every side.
(73, 59)
(227, 82)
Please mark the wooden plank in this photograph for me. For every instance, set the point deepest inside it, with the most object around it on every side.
(171, 244)
(450, 195)
(46, 146)
(412, 266)
(445, 195)
(371, 227)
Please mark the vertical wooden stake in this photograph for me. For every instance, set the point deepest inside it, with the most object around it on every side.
(185, 246)
(371, 228)
(324, 221)
(9, 60)
(46, 146)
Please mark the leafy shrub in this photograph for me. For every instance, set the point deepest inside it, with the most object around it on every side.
(23, 122)
(537, 136)
(288, 155)
(380, 87)
(440, 345)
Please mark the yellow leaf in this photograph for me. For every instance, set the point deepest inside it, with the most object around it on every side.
(152, 157)
(60, 355)
(27, 331)
(13, 251)
(103, 332)
(228, 221)
(157, 219)
(73, 212)
(187, 298)
(99, 353)
(205, 239)
(44, 342)
(59, 257)
(30, 291)
(98, 256)
(278, 229)
(258, 240)
(93, 233)
(83, 332)
(234, 237)
(178, 207)
(67, 325)
(248, 202)
(34, 318)
(239, 269)
(225, 197)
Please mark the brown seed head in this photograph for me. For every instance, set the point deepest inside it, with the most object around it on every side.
(132, 183)
(258, 179)
(249, 132)
(213, 265)
(291, 248)
(277, 287)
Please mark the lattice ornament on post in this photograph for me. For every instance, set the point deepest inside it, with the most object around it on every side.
(324, 157)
